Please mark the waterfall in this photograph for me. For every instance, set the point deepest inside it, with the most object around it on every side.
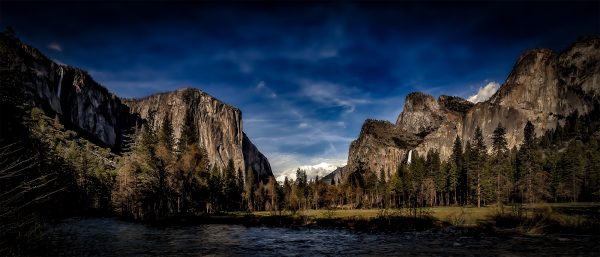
(409, 156)
(60, 81)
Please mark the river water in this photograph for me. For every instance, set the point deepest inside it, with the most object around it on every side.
(111, 237)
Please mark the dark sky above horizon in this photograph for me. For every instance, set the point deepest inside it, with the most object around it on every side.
(305, 74)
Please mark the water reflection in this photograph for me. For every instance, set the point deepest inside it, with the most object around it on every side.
(110, 237)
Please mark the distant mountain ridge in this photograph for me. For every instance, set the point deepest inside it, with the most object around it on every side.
(543, 87)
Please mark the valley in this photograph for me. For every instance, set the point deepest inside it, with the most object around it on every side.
(217, 153)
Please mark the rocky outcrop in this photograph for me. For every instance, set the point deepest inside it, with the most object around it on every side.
(103, 118)
(579, 68)
(381, 145)
(218, 127)
(335, 177)
(543, 88)
(69, 92)
(254, 160)
(422, 114)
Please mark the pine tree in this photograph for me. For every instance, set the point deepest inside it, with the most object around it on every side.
(526, 164)
(528, 135)
(229, 186)
(434, 174)
(249, 187)
(188, 132)
(500, 162)
(148, 137)
(478, 162)
(287, 192)
(499, 144)
(398, 184)
(165, 136)
(457, 170)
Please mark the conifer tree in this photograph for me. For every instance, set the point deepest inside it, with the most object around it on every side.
(500, 162)
(478, 162)
(165, 136)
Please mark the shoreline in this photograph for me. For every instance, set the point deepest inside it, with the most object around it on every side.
(545, 222)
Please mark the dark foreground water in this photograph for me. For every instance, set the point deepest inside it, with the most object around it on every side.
(111, 237)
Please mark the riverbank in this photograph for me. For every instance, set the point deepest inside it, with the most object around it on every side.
(576, 218)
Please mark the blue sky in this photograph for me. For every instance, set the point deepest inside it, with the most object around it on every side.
(305, 74)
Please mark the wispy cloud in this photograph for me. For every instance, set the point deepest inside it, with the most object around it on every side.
(262, 87)
(331, 94)
(55, 46)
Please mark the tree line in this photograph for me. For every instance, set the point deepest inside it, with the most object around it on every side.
(563, 165)
(159, 178)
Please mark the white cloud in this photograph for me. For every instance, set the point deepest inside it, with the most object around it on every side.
(321, 170)
(484, 93)
(331, 94)
(55, 46)
(303, 125)
(284, 164)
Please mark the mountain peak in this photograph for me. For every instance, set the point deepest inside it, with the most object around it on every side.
(455, 103)
(421, 113)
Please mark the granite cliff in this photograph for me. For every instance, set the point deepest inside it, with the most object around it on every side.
(67, 92)
(219, 126)
(543, 87)
(79, 102)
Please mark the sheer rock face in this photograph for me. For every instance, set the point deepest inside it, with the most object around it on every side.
(103, 118)
(335, 177)
(421, 114)
(380, 146)
(69, 92)
(255, 160)
(580, 68)
(543, 88)
(219, 126)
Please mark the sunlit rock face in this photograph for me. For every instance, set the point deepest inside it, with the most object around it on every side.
(102, 117)
(543, 87)
(421, 114)
(380, 146)
(218, 125)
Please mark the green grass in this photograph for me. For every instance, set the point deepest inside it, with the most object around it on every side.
(470, 214)
(567, 214)
(321, 214)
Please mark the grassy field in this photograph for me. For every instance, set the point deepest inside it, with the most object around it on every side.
(453, 215)
(565, 214)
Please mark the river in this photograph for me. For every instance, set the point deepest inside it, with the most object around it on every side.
(112, 237)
